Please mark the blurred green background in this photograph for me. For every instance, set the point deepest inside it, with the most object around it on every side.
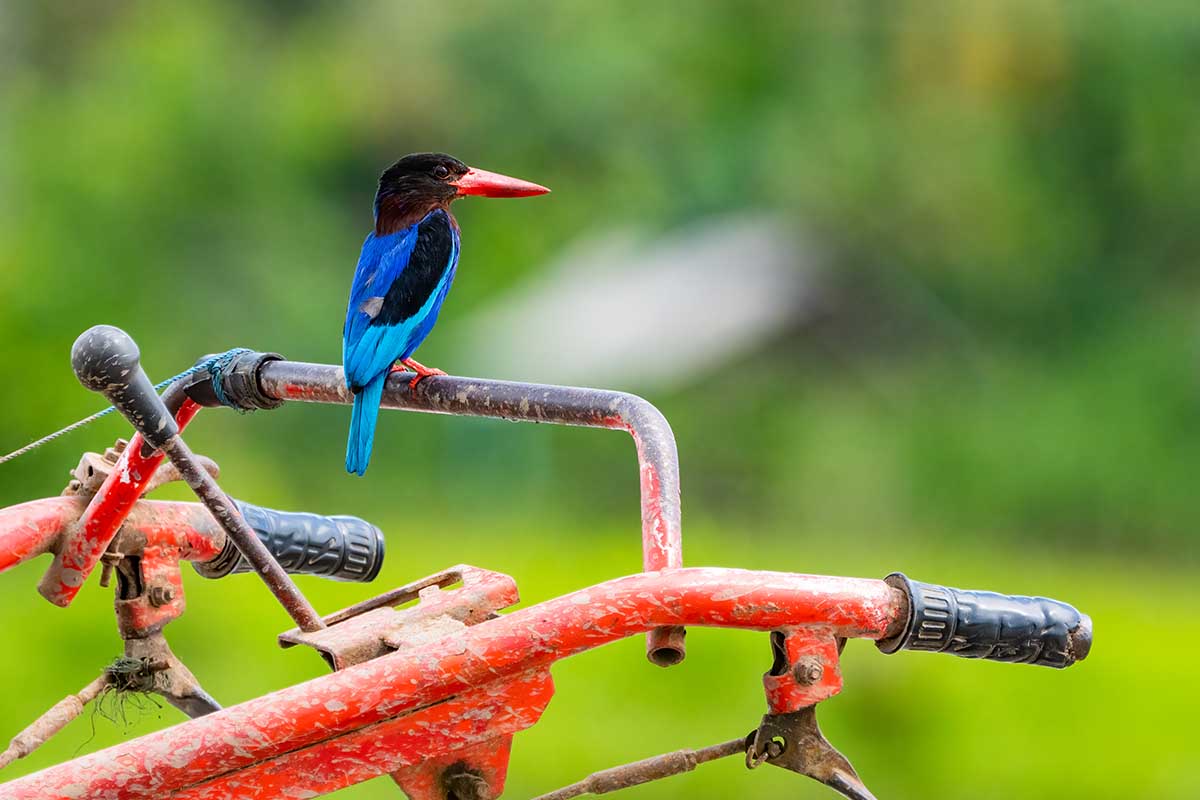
(999, 391)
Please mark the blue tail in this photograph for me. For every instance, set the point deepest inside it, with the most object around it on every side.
(362, 425)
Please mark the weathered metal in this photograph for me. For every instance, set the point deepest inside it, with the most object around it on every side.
(662, 542)
(31, 529)
(658, 459)
(806, 669)
(647, 770)
(385, 713)
(795, 742)
(82, 546)
(433, 693)
(172, 680)
(376, 626)
(54, 720)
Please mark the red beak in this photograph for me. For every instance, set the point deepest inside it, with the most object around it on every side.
(491, 184)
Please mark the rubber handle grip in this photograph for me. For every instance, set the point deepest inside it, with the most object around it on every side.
(107, 360)
(339, 548)
(998, 627)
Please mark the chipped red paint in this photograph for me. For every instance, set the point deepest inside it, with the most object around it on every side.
(31, 529)
(82, 546)
(487, 762)
(809, 671)
(329, 723)
(401, 745)
(166, 534)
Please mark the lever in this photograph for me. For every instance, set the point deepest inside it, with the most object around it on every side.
(108, 361)
(795, 742)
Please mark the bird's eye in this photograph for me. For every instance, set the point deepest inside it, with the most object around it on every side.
(441, 172)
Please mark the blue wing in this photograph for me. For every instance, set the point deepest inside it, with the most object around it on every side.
(399, 286)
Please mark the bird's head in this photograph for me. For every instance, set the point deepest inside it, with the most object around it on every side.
(421, 182)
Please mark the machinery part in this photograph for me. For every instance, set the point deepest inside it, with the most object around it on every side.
(174, 681)
(997, 627)
(342, 548)
(108, 361)
(237, 386)
(94, 468)
(658, 460)
(795, 742)
(54, 720)
(648, 769)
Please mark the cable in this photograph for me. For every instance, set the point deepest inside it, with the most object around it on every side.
(214, 366)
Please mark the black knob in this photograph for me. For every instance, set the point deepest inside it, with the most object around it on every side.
(108, 361)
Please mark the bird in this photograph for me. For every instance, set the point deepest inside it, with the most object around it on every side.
(403, 275)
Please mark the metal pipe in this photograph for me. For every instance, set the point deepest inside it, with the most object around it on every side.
(83, 544)
(658, 459)
(323, 733)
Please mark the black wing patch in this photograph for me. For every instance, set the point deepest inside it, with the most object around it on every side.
(429, 261)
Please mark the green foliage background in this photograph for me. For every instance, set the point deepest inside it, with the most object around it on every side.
(1005, 398)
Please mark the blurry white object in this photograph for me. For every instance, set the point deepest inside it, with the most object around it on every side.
(620, 312)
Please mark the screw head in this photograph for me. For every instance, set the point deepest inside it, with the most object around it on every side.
(808, 671)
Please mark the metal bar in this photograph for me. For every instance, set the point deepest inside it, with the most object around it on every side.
(658, 459)
(87, 540)
(30, 529)
(527, 402)
(648, 769)
(254, 741)
(54, 720)
(246, 541)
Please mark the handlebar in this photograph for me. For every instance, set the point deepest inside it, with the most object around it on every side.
(341, 548)
(996, 627)
(107, 360)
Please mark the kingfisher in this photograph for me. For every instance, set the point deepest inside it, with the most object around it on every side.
(404, 273)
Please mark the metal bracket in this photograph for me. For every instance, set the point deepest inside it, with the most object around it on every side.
(795, 742)
(94, 468)
(376, 627)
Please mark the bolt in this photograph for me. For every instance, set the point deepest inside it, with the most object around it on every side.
(160, 595)
(464, 784)
(120, 445)
(808, 671)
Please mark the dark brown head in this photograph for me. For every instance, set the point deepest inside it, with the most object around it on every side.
(421, 182)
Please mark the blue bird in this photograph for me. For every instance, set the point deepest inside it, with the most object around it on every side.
(404, 273)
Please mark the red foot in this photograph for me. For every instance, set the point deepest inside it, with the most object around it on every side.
(417, 367)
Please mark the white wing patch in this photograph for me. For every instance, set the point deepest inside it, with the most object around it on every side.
(371, 306)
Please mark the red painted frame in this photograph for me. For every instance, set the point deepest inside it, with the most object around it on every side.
(399, 711)
(459, 697)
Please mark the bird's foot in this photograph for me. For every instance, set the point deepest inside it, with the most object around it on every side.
(420, 369)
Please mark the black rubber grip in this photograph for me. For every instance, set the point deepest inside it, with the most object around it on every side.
(239, 383)
(998, 627)
(106, 360)
(338, 548)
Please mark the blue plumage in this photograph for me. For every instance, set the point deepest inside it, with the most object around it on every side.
(404, 272)
(399, 286)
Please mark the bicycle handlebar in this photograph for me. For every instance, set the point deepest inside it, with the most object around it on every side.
(340, 548)
(996, 627)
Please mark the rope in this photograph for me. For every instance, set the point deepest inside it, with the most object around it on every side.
(215, 366)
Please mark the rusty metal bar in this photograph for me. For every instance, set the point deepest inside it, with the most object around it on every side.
(325, 734)
(54, 720)
(648, 769)
(658, 459)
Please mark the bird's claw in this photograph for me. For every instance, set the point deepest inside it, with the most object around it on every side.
(422, 371)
